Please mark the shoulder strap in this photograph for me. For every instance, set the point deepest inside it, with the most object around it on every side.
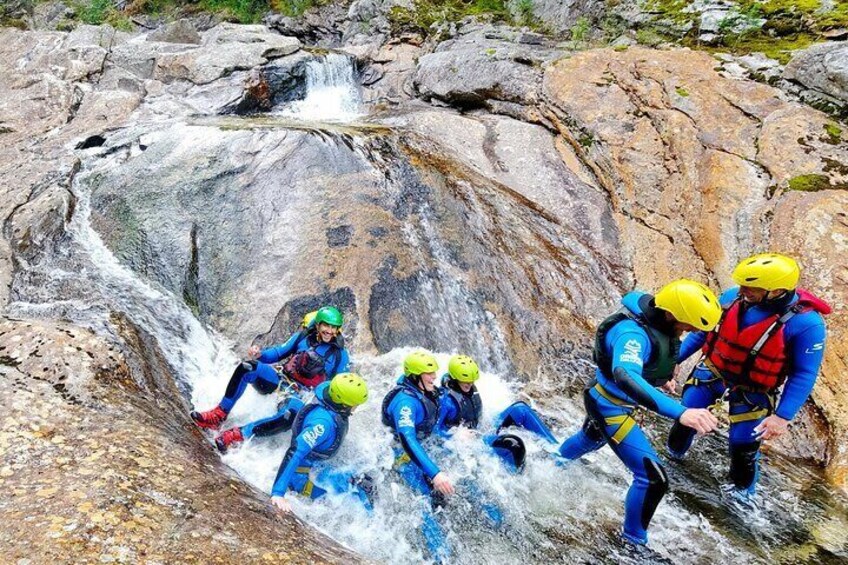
(775, 326)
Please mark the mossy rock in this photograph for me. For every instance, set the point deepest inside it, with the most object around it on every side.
(810, 183)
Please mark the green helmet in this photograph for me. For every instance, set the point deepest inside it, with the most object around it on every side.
(419, 362)
(329, 315)
(348, 389)
(463, 369)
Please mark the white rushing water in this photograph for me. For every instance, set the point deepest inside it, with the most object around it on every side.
(332, 92)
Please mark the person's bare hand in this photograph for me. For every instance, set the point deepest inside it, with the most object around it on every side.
(442, 484)
(253, 352)
(699, 419)
(280, 504)
(772, 427)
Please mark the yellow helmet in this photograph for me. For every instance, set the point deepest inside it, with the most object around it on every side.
(462, 368)
(689, 302)
(348, 389)
(419, 362)
(307, 319)
(769, 271)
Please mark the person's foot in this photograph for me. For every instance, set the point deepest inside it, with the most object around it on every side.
(229, 438)
(210, 419)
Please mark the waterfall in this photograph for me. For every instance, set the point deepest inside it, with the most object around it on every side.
(332, 92)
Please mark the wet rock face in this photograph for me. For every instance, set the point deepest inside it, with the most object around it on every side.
(95, 469)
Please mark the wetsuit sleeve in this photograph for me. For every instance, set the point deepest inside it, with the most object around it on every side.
(404, 415)
(447, 413)
(318, 433)
(806, 352)
(278, 352)
(693, 342)
(629, 354)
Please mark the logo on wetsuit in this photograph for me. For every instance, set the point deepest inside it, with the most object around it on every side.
(312, 435)
(632, 353)
(405, 420)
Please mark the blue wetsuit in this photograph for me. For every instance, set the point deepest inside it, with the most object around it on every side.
(804, 336)
(317, 435)
(412, 415)
(610, 400)
(262, 375)
(457, 408)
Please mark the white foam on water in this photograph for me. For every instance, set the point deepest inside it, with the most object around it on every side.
(332, 92)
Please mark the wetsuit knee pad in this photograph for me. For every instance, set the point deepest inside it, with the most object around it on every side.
(657, 487)
(743, 463)
(513, 449)
(680, 439)
(264, 387)
(593, 429)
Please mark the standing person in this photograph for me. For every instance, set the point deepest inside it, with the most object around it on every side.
(317, 434)
(411, 410)
(771, 334)
(636, 350)
(322, 339)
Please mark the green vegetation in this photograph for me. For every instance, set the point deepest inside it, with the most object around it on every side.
(426, 13)
(580, 30)
(99, 12)
(789, 25)
(682, 92)
(834, 133)
(809, 183)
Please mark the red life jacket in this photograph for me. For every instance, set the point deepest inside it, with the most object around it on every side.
(306, 368)
(755, 356)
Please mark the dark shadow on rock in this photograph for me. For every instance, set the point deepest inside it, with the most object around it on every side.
(289, 317)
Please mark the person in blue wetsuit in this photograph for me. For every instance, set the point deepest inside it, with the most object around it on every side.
(460, 406)
(317, 434)
(321, 340)
(636, 351)
(411, 411)
(770, 334)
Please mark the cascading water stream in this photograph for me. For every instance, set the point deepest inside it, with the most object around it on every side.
(551, 512)
(332, 92)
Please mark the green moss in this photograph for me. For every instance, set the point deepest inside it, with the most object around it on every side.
(834, 133)
(425, 13)
(620, 48)
(682, 92)
(650, 37)
(809, 183)
(491, 52)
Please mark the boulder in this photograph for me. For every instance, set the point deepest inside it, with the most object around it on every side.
(180, 31)
(246, 47)
(823, 70)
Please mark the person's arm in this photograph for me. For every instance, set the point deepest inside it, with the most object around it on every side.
(447, 412)
(805, 355)
(404, 418)
(629, 353)
(315, 434)
(278, 352)
(693, 342)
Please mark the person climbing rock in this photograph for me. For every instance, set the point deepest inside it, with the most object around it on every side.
(636, 350)
(411, 410)
(460, 406)
(312, 355)
(317, 434)
(771, 334)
